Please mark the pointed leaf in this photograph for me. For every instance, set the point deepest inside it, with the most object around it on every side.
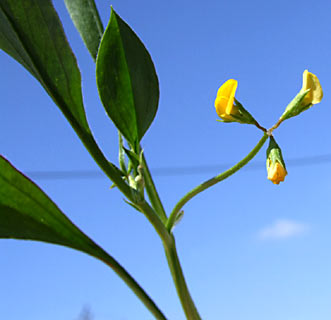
(31, 32)
(27, 213)
(85, 16)
(126, 79)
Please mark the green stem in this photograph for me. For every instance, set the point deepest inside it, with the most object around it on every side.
(178, 277)
(173, 261)
(167, 239)
(152, 193)
(207, 184)
(113, 173)
(156, 222)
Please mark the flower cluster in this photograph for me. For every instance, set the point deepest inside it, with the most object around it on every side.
(230, 110)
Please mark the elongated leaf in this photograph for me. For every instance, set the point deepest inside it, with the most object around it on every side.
(27, 213)
(31, 32)
(86, 18)
(126, 79)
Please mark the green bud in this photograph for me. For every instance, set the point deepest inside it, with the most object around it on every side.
(275, 163)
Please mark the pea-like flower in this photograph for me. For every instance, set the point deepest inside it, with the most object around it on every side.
(227, 106)
(275, 164)
(311, 93)
(224, 102)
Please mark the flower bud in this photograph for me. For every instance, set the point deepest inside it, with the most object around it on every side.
(275, 164)
(228, 108)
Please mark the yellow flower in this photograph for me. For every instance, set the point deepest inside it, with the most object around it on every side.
(315, 95)
(228, 107)
(224, 102)
(276, 171)
(311, 93)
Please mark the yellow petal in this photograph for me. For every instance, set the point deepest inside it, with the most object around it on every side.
(276, 172)
(310, 81)
(225, 98)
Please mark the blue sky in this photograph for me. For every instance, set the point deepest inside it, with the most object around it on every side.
(250, 250)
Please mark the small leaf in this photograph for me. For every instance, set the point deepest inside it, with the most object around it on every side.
(27, 213)
(31, 32)
(85, 16)
(132, 156)
(127, 81)
(132, 205)
(178, 218)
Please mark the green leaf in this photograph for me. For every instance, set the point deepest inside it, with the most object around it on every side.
(85, 16)
(126, 79)
(31, 32)
(27, 213)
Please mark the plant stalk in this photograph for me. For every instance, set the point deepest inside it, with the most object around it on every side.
(156, 222)
(209, 183)
(185, 298)
(113, 173)
(152, 192)
(169, 245)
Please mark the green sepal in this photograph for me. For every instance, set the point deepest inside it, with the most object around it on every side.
(243, 117)
(295, 107)
(274, 153)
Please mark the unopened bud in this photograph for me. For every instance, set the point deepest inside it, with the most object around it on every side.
(275, 164)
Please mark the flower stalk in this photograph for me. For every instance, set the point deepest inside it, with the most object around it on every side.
(209, 183)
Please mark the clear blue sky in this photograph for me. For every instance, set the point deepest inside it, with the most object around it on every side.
(250, 250)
